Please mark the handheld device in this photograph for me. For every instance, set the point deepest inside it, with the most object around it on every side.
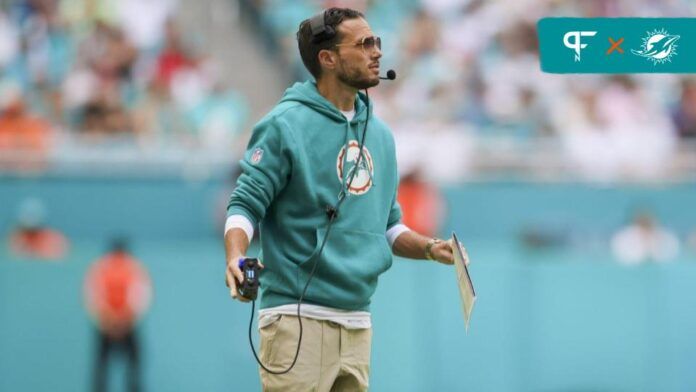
(249, 287)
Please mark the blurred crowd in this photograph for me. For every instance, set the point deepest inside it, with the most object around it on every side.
(90, 74)
(84, 76)
(469, 76)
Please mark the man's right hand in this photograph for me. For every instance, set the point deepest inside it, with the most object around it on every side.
(233, 277)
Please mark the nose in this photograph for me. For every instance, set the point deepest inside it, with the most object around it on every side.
(376, 53)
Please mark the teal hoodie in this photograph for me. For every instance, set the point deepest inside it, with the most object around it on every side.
(293, 168)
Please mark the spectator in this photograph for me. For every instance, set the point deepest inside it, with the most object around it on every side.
(144, 21)
(117, 294)
(82, 15)
(421, 204)
(644, 240)
(24, 138)
(117, 56)
(9, 45)
(685, 114)
(219, 118)
(614, 131)
(174, 57)
(32, 238)
(105, 115)
(158, 121)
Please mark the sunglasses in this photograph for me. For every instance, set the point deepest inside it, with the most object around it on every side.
(367, 43)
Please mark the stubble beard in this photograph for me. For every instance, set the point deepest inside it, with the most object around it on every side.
(353, 78)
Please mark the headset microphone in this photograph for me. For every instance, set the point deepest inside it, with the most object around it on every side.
(391, 75)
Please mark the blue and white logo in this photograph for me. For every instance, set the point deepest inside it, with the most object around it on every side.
(576, 44)
(658, 47)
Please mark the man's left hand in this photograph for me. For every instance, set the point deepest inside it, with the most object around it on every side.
(442, 252)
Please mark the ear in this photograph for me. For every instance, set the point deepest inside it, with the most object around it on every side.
(328, 59)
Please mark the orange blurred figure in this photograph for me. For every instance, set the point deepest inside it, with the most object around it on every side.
(117, 292)
(24, 138)
(40, 243)
(421, 204)
(32, 238)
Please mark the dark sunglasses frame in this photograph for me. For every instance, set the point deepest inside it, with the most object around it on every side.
(367, 43)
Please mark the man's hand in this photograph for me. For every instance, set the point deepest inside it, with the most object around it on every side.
(234, 276)
(442, 252)
(415, 246)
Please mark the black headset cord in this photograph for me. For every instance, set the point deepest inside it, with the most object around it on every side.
(332, 218)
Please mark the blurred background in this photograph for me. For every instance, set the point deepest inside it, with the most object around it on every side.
(125, 119)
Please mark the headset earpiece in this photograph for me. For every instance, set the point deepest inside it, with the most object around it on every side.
(320, 30)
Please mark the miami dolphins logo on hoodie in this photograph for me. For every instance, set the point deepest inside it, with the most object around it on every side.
(362, 182)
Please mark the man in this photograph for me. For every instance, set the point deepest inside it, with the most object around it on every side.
(33, 238)
(644, 240)
(117, 294)
(25, 139)
(301, 155)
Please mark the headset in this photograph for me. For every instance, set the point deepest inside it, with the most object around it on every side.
(321, 31)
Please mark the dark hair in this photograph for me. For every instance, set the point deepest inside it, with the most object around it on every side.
(310, 47)
(119, 244)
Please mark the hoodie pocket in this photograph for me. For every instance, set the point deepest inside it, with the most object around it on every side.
(348, 268)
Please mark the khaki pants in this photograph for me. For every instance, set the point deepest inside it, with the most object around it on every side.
(332, 358)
